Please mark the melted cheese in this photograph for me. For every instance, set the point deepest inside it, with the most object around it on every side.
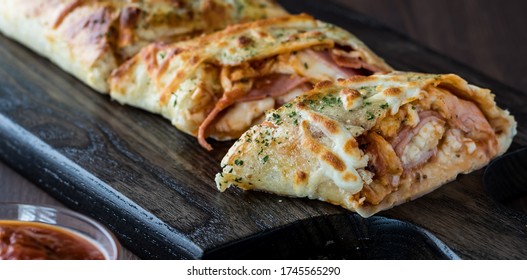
(393, 89)
(89, 39)
(305, 150)
(310, 65)
(424, 141)
(351, 99)
(242, 115)
(347, 178)
(171, 67)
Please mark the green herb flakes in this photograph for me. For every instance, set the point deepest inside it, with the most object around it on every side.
(175, 99)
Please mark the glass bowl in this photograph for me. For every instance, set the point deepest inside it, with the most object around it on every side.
(73, 222)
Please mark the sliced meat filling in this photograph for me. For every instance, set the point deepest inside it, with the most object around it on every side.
(415, 145)
(273, 81)
(273, 85)
(400, 145)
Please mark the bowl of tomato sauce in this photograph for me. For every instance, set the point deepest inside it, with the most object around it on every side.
(39, 232)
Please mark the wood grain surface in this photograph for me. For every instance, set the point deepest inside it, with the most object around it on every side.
(153, 185)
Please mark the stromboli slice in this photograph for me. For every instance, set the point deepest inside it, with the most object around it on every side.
(370, 143)
(221, 84)
(90, 38)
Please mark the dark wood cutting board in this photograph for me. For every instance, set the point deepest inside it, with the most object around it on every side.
(153, 185)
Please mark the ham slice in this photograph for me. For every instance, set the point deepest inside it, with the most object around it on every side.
(273, 85)
(423, 157)
(467, 116)
(405, 136)
(351, 60)
(228, 98)
(344, 64)
(326, 58)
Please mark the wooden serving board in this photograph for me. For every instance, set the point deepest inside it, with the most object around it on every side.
(153, 185)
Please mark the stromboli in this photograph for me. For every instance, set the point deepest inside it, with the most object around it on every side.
(370, 143)
(90, 38)
(219, 85)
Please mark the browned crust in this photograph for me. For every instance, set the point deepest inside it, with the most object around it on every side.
(393, 91)
(431, 176)
(91, 38)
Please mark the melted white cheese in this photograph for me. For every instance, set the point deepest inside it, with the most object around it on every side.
(354, 161)
(241, 115)
(425, 140)
(311, 66)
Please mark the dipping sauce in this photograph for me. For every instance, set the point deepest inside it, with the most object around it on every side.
(38, 241)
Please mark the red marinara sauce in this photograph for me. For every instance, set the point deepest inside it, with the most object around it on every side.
(38, 241)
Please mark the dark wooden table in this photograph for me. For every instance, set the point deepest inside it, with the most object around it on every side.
(487, 35)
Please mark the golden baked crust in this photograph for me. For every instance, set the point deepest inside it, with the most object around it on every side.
(370, 143)
(191, 82)
(90, 38)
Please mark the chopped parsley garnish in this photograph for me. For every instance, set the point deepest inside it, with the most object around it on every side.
(288, 105)
(265, 159)
(175, 99)
(371, 116)
(367, 89)
(238, 162)
(319, 104)
(239, 8)
(384, 106)
(277, 118)
(292, 114)
(305, 65)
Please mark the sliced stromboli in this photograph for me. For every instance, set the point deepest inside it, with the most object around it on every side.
(370, 143)
(90, 38)
(221, 84)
